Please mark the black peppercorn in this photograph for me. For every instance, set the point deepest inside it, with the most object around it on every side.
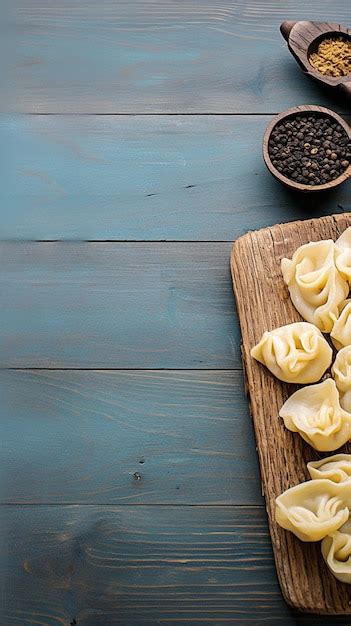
(311, 150)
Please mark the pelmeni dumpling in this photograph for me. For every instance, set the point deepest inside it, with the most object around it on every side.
(315, 285)
(341, 331)
(343, 254)
(296, 353)
(314, 509)
(315, 413)
(341, 371)
(336, 468)
(336, 550)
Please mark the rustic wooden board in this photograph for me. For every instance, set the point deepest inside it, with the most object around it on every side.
(130, 437)
(142, 178)
(263, 304)
(150, 56)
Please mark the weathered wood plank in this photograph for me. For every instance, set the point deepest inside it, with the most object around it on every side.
(283, 455)
(146, 56)
(126, 437)
(144, 177)
(125, 305)
(139, 565)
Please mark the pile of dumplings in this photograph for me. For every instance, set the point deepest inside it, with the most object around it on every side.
(318, 278)
(320, 510)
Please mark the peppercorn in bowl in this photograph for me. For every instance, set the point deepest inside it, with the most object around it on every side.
(308, 148)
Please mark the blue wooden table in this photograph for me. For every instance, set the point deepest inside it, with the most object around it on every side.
(130, 160)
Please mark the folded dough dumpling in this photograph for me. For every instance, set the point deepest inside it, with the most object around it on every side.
(336, 550)
(343, 254)
(315, 413)
(314, 509)
(315, 285)
(336, 468)
(296, 353)
(341, 331)
(341, 371)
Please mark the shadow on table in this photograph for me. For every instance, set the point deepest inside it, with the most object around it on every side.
(319, 620)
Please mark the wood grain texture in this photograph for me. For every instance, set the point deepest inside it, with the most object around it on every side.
(126, 437)
(143, 178)
(282, 454)
(108, 305)
(134, 566)
(155, 56)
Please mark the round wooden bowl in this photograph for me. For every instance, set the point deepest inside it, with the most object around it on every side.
(308, 108)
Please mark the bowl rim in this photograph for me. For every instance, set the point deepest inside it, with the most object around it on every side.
(299, 46)
(325, 78)
(305, 108)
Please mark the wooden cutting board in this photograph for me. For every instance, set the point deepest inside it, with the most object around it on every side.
(263, 303)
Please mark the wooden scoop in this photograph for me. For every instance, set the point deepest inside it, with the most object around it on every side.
(303, 39)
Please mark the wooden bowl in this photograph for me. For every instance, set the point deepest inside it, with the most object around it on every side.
(303, 38)
(308, 108)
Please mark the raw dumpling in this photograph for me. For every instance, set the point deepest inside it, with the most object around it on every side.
(296, 353)
(314, 509)
(336, 550)
(336, 468)
(343, 254)
(315, 285)
(341, 331)
(315, 413)
(341, 371)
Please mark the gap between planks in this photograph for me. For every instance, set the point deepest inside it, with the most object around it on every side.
(123, 369)
(141, 504)
(212, 114)
(159, 114)
(185, 241)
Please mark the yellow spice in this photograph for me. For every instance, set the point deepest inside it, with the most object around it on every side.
(333, 57)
